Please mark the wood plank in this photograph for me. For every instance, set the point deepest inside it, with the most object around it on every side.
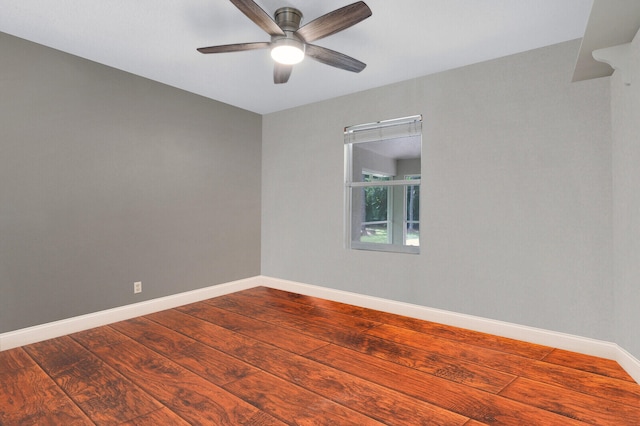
(381, 403)
(292, 309)
(296, 322)
(293, 404)
(283, 338)
(591, 364)
(187, 394)
(14, 359)
(166, 417)
(28, 396)
(457, 370)
(207, 333)
(56, 355)
(516, 347)
(472, 422)
(99, 338)
(160, 417)
(158, 338)
(215, 366)
(429, 361)
(469, 402)
(603, 387)
(332, 384)
(609, 388)
(575, 405)
(104, 395)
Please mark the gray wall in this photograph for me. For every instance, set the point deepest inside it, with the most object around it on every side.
(516, 194)
(107, 178)
(625, 102)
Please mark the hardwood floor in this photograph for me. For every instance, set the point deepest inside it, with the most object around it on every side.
(268, 357)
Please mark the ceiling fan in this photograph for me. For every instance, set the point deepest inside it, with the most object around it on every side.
(290, 42)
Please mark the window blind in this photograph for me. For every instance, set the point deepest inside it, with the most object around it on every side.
(381, 130)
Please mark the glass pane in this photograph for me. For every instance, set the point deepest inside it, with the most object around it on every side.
(373, 220)
(413, 203)
(370, 177)
(375, 233)
(412, 234)
(387, 159)
(376, 203)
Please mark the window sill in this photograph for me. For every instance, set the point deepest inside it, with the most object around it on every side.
(392, 248)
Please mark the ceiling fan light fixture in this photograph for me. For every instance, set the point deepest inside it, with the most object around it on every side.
(287, 51)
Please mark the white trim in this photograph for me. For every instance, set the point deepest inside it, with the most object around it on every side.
(383, 123)
(630, 363)
(389, 248)
(374, 183)
(539, 336)
(618, 57)
(38, 333)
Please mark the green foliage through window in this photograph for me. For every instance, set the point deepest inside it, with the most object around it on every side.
(376, 199)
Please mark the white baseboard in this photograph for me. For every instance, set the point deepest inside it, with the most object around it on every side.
(554, 339)
(538, 336)
(630, 363)
(50, 330)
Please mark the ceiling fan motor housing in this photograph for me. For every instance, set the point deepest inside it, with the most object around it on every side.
(288, 18)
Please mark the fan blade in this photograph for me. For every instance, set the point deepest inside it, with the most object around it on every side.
(281, 73)
(234, 47)
(259, 16)
(335, 21)
(333, 58)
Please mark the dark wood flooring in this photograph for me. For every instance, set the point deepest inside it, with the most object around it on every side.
(268, 357)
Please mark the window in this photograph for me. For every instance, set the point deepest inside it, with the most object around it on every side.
(382, 185)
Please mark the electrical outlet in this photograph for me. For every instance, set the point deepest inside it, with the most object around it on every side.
(137, 287)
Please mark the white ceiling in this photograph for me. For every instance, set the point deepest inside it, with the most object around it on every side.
(403, 39)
